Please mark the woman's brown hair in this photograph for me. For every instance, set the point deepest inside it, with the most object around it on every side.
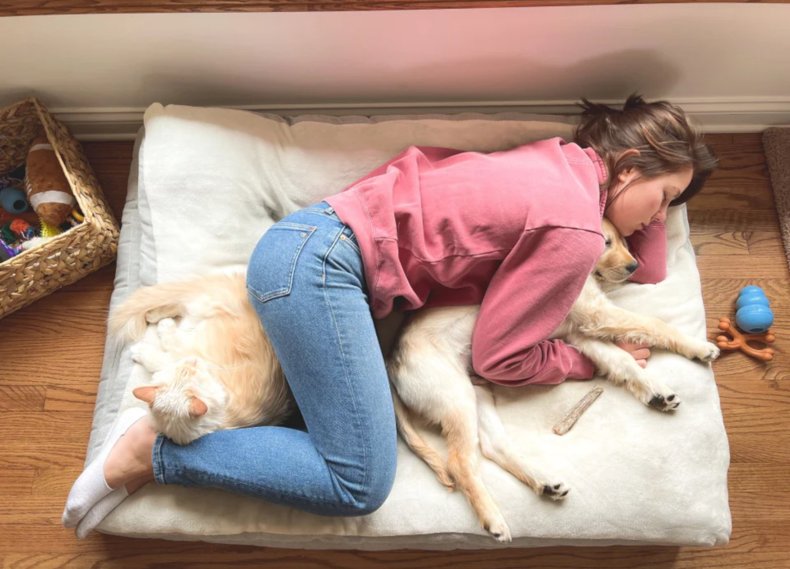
(660, 131)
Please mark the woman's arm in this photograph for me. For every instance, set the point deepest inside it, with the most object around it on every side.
(649, 248)
(530, 295)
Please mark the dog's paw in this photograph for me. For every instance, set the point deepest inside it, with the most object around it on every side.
(445, 480)
(555, 492)
(498, 530)
(708, 352)
(653, 393)
(664, 402)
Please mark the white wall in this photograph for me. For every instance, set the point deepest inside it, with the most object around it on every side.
(725, 63)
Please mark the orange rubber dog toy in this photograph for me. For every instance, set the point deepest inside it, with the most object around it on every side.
(741, 341)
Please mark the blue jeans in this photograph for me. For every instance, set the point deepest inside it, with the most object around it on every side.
(306, 281)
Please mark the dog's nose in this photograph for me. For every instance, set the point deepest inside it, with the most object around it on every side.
(632, 267)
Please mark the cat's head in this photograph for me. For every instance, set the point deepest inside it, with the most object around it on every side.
(185, 400)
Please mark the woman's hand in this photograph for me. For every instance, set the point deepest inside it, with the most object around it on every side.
(640, 352)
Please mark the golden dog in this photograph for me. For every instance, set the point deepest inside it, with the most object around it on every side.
(431, 378)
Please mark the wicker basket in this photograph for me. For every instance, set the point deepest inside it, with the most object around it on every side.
(74, 253)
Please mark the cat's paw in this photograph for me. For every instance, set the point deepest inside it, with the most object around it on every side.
(134, 352)
(148, 356)
(166, 325)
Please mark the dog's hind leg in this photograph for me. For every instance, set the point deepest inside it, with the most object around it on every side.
(459, 427)
(496, 447)
(428, 369)
(417, 443)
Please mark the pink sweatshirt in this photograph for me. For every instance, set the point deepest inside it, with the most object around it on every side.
(515, 231)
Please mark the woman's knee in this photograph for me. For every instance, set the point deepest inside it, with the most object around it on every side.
(369, 495)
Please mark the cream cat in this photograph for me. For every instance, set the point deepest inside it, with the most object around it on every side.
(211, 363)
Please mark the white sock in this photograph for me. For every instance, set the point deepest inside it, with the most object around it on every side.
(91, 486)
(100, 511)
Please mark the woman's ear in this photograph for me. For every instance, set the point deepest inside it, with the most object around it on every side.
(629, 174)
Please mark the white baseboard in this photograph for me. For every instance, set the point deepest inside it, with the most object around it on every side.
(731, 115)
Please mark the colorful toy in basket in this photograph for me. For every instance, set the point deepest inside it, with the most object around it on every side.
(13, 200)
(7, 251)
(47, 187)
(754, 317)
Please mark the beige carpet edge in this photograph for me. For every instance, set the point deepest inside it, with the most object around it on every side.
(776, 145)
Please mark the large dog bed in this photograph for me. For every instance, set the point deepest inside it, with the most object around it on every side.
(206, 183)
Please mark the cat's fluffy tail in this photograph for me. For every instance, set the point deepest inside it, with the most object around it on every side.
(129, 321)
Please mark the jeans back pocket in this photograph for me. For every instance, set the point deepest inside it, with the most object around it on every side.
(271, 269)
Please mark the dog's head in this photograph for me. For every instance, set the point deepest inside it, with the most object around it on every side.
(616, 263)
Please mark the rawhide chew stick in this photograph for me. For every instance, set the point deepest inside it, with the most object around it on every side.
(570, 419)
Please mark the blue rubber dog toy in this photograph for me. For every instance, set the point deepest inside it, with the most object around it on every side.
(753, 315)
(13, 200)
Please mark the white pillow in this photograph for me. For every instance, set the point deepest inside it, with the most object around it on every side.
(216, 179)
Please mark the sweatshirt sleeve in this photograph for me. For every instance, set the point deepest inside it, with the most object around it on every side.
(649, 248)
(528, 298)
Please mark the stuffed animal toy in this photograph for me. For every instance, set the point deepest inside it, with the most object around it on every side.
(47, 187)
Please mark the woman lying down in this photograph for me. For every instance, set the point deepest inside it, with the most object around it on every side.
(431, 227)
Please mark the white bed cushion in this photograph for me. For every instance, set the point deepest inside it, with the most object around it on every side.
(212, 180)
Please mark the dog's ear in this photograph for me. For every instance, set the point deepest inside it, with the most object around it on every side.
(197, 408)
(146, 393)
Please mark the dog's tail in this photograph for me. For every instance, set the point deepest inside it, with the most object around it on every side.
(417, 444)
(129, 321)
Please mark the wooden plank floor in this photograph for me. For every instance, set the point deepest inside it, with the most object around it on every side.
(50, 357)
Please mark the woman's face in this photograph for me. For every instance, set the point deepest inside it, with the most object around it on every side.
(645, 200)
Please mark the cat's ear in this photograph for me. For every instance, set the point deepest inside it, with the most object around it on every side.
(146, 393)
(197, 408)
